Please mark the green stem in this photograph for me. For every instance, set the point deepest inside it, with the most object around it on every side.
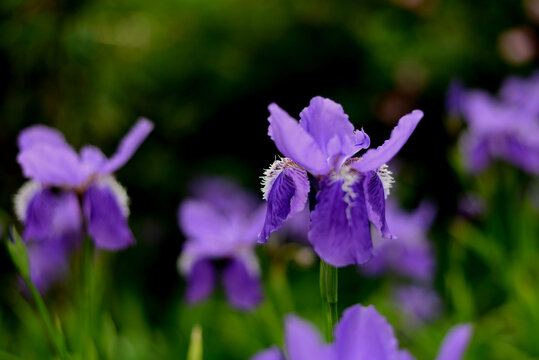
(88, 295)
(329, 283)
(57, 338)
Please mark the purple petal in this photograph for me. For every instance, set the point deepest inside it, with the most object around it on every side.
(105, 218)
(128, 145)
(374, 158)
(475, 151)
(294, 142)
(40, 134)
(303, 342)
(92, 159)
(53, 216)
(242, 287)
(48, 263)
(201, 281)
(272, 353)
(404, 355)
(363, 333)
(224, 195)
(329, 126)
(376, 203)
(52, 165)
(340, 232)
(200, 220)
(455, 343)
(286, 194)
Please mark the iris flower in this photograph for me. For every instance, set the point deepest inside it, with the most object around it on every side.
(361, 334)
(349, 191)
(70, 194)
(221, 223)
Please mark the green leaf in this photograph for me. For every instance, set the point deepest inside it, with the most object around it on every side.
(195, 346)
(18, 253)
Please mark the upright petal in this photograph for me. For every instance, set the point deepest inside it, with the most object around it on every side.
(242, 287)
(303, 342)
(128, 145)
(376, 203)
(200, 220)
(294, 142)
(92, 159)
(106, 218)
(201, 281)
(340, 232)
(363, 333)
(374, 158)
(272, 353)
(40, 134)
(286, 188)
(455, 343)
(48, 263)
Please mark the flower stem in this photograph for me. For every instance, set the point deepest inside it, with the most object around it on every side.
(329, 291)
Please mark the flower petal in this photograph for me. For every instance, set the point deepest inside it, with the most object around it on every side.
(272, 353)
(374, 158)
(105, 218)
(242, 287)
(303, 341)
(363, 333)
(199, 220)
(40, 134)
(286, 190)
(92, 159)
(294, 142)
(455, 343)
(128, 145)
(48, 263)
(376, 203)
(340, 232)
(201, 281)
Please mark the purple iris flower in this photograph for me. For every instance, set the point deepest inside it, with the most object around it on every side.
(410, 253)
(68, 194)
(418, 304)
(361, 334)
(349, 191)
(505, 128)
(221, 224)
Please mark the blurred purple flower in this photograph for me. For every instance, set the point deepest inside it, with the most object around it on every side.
(419, 304)
(361, 334)
(350, 191)
(221, 225)
(67, 191)
(409, 254)
(505, 128)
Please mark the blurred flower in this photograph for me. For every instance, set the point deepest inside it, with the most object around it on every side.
(221, 225)
(349, 191)
(518, 45)
(361, 334)
(67, 192)
(472, 206)
(418, 304)
(506, 128)
(408, 254)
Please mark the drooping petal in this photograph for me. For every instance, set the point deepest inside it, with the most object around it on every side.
(374, 158)
(455, 343)
(294, 142)
(340, 232)
(242, 287)
(51, 165)
(40, 134)
(106, 218)
(327, 123)
(362, 333)
(128, 145)
(286, 188)
(201, 281)
(375, 201)
(303, 342)
(272, 353)
(48, 263)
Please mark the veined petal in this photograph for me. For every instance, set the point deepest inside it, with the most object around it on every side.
(455, 343)
(294, 142)
(242, 287)
(272, 353)
(303, 342)
(375, 158)
(375, 201)
(51, 165)
(286, 188)
(363, 333)
(340, 232)
(128, 145)
(40, 134)
(106, 218)
(201, 281)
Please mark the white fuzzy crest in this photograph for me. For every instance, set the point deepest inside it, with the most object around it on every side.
(23, 197)
(271, 173)
(386, 177)
(118, 191)
(349, 177)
